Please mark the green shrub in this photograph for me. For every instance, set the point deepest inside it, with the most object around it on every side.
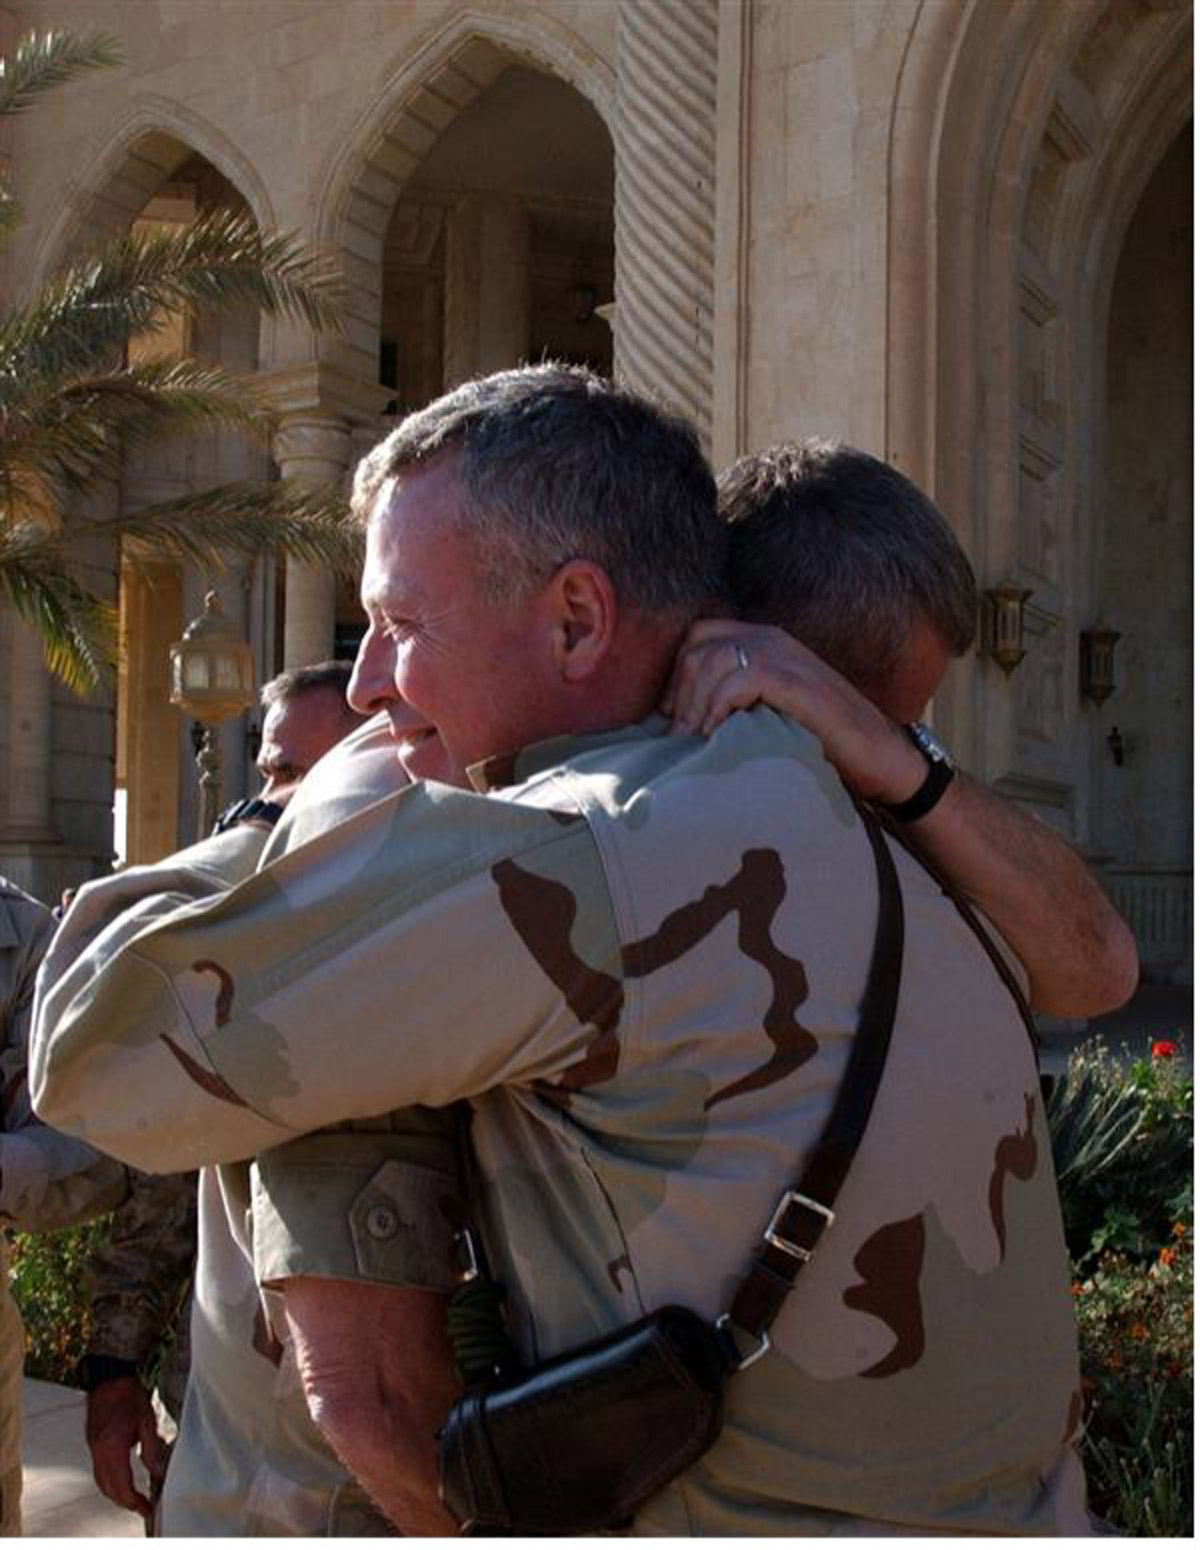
(1122, 1133)
(48, 1287)
(1122, 1136)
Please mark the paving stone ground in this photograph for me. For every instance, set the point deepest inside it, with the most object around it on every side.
(59, 1499)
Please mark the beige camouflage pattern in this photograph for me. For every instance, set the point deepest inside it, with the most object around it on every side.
(47, 1180)
(248, 1459)
(642, 958)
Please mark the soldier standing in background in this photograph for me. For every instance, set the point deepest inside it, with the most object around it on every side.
(47, 1179)
(139, 1280)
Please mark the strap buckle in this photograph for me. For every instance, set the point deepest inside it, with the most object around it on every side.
(738, 1362)
(469, 1260)
(789, 1198)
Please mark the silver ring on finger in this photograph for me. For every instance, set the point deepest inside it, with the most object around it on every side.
(743, 659)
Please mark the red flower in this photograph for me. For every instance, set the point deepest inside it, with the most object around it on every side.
(1164, 1049)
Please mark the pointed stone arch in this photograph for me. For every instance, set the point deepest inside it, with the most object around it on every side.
(1020, 138)
(430, 87)
(150, 140)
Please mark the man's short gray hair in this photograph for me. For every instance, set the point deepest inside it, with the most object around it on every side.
(286, 686)
(556, 463)
(845, 553)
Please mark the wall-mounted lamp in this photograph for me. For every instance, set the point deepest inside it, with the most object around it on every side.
(1116, 746)
(1097, 674)
(1004, 623)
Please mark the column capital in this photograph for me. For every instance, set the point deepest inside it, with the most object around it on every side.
(315, 388)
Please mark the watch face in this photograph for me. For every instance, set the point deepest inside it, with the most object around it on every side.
(933, 750)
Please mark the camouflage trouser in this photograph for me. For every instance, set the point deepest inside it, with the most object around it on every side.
(12, 1364)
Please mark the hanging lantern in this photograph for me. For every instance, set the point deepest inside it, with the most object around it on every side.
(1005, 629)
(1097, 667)
(212, 678)
(212, 667)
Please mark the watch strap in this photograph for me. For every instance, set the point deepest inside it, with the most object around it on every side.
(927, 795)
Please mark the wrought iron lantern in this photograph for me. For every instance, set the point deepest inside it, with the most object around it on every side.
(1097, 669)
(212, 678)
(1005, 626)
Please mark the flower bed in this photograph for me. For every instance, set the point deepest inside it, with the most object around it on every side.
(1123, 1148)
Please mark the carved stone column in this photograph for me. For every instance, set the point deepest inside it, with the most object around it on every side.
(487, 286)
(665, 182)
(313, 449)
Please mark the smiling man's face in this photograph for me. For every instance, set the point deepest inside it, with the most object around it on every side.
(459, 675)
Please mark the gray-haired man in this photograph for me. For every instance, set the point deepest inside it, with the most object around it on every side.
(641, 959)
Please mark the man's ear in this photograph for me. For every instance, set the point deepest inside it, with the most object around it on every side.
(584, 618)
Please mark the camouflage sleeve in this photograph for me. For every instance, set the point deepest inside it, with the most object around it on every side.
(135, 1281)
(431, 947)
(47, 1179)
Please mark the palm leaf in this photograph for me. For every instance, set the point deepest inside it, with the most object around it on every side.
(209, 527)
(74, 432)
(81, 320)
(77, 629)
(48, 59)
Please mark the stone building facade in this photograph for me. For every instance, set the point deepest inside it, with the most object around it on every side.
(954, 232)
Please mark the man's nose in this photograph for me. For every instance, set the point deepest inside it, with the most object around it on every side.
(371, 686)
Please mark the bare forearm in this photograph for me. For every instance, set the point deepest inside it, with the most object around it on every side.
(379, 1379)
(1079, 954)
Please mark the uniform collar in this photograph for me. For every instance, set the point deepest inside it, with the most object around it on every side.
(513, 769)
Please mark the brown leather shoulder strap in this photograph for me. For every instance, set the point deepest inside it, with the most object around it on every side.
(805, 1211)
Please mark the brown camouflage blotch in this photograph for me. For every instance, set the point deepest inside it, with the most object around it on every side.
(1016, 1153)
(209, 1080)
(542, 913)
(225, 994)
(264, 1341)
(615, 1267)
(754, 893)
(890, 1265)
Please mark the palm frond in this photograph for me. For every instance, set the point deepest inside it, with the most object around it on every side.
(209, 527)
(44, 60)
(78, 630)
(81, 320)
(71, 433)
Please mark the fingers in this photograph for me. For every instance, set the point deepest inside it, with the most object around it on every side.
(113, 1473)
(153, 1449)
(711, 679)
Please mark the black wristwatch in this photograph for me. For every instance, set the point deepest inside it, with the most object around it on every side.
(932, 788)
(92, 1371)
(244, 811)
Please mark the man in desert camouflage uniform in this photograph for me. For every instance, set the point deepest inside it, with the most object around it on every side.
(641, 958)
(47, 1180)
(139, 1280)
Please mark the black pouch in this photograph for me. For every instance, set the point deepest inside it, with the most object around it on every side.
(577, 1444)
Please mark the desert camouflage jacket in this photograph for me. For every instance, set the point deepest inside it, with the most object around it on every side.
(641, 957)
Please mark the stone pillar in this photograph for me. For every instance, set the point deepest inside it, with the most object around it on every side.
(313, 448)
(26, 809)
(487, 286)
(665, 201)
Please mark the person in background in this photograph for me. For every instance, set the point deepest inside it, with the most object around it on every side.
(138, 1281)
(48, 1180)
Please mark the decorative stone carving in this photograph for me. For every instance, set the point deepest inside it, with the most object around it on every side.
(665, 178)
